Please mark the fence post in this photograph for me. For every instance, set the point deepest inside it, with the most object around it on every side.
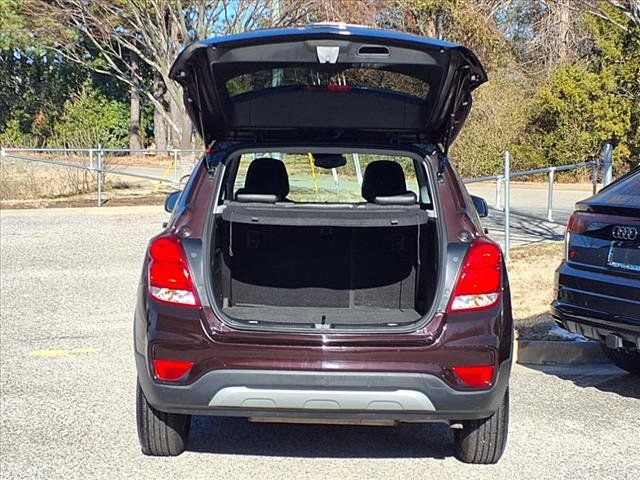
(607, 163)
(507, 204)
(552, 172)
(175, 164)
(496, 205)
(99, 175)
(356, 164)
(594, 174)
(334, 173)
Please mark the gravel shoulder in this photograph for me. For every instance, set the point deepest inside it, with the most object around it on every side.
(67, 383)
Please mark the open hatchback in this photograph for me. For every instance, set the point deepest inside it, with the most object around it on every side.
(324, 262)
(327, 81)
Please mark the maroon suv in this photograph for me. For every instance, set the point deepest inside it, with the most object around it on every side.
(324, 262)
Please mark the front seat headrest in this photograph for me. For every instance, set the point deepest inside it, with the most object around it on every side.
(383, 178)
(266, 176)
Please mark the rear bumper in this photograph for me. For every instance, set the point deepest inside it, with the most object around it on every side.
(324, 395)
(597, 304)
(594, 324)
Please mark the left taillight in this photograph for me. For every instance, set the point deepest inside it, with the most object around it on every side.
(168, 276)
(479, 284)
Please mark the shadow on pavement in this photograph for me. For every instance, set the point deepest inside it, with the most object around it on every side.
(606, 378)
(238, 436)
(525, 228)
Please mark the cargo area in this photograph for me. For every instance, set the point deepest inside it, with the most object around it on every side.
(324, 267)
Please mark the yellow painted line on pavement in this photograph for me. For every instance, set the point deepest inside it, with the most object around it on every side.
(63, 353)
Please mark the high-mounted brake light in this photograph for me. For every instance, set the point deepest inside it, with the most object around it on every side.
(480, 282)
(476, 376)
(169, 277)
(170, 370)
(332, 87)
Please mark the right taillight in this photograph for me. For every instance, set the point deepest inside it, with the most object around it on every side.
(480, 280)
(169, 276)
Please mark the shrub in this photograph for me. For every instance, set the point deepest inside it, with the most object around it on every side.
(13, 136)
(89, 119)
(497, 121)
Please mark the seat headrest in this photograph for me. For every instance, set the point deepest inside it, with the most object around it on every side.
(383, 178)
(408, 198)
(256, 197)
(266, 176)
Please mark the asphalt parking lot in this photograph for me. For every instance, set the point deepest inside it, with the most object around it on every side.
(67, 381)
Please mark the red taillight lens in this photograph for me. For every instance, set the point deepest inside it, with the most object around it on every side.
(578, 222)
(477, 376)
(169, 277)
(171, 370)
(480, 280)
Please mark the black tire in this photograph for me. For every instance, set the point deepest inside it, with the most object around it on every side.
(628, 360)
(483, 441)
(161, 434)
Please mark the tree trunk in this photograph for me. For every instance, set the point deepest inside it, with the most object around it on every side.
(159, 122)
(561, 17)
(564, 29)
(186, 132)
(175, 110)
(135, 140)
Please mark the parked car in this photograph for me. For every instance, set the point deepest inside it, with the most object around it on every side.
(598, 283)
(305, 300)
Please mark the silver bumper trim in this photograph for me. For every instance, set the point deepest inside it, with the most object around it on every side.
(290, 399)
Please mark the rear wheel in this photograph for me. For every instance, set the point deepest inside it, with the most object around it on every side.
(628, 360)
(161, 434)
(483, 441)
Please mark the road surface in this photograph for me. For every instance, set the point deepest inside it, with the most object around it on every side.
(67, 382)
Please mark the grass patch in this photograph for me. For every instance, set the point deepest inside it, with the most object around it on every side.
(531, 273)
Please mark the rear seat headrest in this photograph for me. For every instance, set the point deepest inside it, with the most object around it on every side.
(266, 176)
(408, 198)
(256, 197)
(383, 178)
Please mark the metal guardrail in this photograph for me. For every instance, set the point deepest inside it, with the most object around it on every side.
(95, 162)
(505, 179)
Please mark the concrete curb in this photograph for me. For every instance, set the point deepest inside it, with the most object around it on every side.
(541, 352)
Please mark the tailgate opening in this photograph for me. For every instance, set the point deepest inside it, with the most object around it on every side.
(282, 262)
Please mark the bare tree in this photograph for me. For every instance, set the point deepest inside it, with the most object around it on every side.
(155, 31)
(630, 9)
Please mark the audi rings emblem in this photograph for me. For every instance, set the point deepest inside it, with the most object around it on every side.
(624, 233)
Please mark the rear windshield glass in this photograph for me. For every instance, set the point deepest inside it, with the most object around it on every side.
(309, 183)
(624, 191)
(326, 78)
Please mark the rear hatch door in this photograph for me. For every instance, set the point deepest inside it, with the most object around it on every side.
(327, 81)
